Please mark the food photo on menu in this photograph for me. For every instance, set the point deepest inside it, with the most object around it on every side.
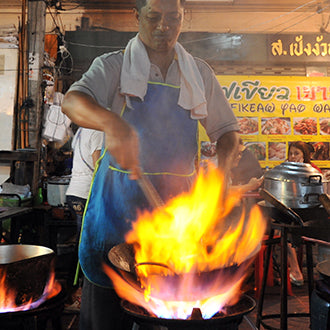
(248, 125)
(277, 151)
(324, 126)
(321, 151)
(305, 126)
(208, 153)
(276, 126)
(258, 149)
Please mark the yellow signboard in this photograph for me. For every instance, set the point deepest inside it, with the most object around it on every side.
(273, 111)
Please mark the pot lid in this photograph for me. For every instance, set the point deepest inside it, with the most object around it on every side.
(292, 171)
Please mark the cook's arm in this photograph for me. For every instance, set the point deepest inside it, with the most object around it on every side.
(121, 138)
(227, 146)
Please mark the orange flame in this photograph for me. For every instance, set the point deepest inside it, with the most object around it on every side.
(194, 251)
(8, 295)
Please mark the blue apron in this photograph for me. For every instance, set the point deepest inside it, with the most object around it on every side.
(168, 147)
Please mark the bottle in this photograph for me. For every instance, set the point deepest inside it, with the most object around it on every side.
(38, 198)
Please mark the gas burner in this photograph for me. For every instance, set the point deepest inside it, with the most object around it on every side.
(227, 320)
(36, 318)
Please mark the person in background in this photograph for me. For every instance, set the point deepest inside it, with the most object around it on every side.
(298, 152)
(86, 146)
(246, 173)
(148, 101)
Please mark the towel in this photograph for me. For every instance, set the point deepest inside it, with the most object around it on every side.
(135, 74)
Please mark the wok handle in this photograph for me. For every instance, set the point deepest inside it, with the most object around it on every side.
(325, 201)
(150, 263)
(280, 206)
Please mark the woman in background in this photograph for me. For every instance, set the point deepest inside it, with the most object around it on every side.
(300, 152)
(246, 174)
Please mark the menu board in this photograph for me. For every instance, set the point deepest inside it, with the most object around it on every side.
(273, 111)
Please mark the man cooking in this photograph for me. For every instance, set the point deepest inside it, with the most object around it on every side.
(148, 100)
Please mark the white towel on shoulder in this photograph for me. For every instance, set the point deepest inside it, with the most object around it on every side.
(135, 74)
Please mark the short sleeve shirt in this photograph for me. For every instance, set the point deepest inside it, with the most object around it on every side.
(102, 79)
(84, 145)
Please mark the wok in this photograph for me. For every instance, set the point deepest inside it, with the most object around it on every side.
(122, 258)
(323, 286)
(324, 269)
(26, 269)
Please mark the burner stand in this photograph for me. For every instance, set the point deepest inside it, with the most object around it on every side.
(229, 321)
(36, 318)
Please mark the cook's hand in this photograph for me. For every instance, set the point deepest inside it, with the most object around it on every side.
(255, 183)
(121, 139)
(122, 142)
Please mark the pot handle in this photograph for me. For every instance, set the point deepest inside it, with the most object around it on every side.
(310, 195)
(317, 176)
(280, 206)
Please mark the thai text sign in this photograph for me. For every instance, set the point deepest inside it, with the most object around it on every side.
(301, 48)
(273, 111)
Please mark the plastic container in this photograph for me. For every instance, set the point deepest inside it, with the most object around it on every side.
(56, 189)
(13, 200)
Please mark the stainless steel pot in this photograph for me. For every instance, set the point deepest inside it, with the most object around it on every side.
(297, 185)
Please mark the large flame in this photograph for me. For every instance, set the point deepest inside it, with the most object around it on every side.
(8, 295)
(194, 251)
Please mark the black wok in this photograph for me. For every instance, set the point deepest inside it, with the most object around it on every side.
(323, 285)
(122, 258)
(26, 269)
(324, 269)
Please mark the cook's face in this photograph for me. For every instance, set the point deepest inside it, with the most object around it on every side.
(295, 155)
(160, 23)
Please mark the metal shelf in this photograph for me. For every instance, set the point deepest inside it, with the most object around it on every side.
(29, 155)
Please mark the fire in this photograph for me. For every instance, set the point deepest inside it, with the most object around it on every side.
(8, 295)
(194, 251)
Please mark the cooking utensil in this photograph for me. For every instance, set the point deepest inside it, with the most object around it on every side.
(287, 211)
(297, 185)
(26, 269)
(122, 258)
(150, 192)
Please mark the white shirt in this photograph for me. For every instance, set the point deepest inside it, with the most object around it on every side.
(84, 144)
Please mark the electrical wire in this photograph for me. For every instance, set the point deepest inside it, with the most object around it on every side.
(313, 4)
(285, 14)
(310, 4)
(94, 46)
(304, 19)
